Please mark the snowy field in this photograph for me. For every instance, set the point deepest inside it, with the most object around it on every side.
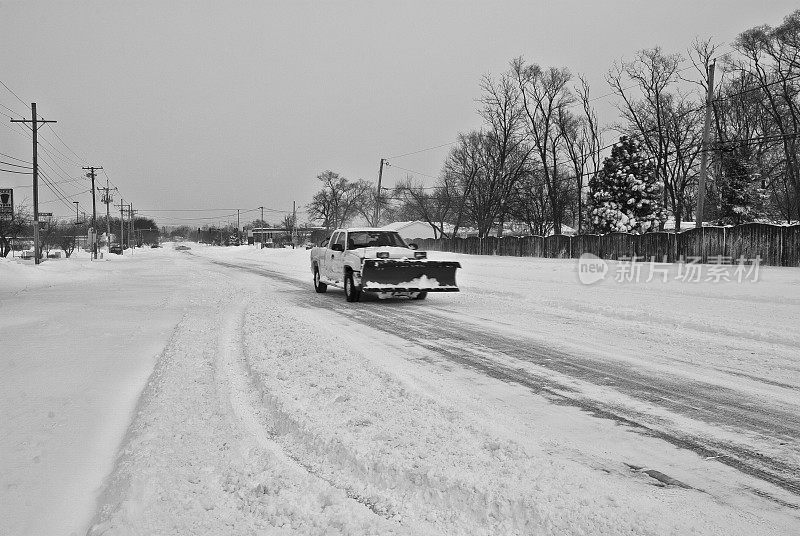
(211, 391)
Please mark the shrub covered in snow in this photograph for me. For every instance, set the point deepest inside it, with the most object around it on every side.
(624, 195)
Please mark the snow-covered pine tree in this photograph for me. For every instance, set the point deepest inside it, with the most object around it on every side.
(624, 195)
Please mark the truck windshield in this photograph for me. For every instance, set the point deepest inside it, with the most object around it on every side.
(363, 239)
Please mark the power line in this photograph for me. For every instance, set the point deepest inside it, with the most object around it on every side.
(7, 108)
(63, 199)
(12, 92)
(212, 210)
(59, 193)
(411, 171)
(15, 158)
(423, 150)
(217, 216)
(109, 179)
(64, 143)
(15, 165)
(64, 157)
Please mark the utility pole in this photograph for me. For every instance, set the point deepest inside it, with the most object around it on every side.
(121, 225)
(238, 224)
(701, 184)
(131, 231)
(294, 224)
(107, 199)
(378, 194)
(76, 211)
(262, 228)
(35, 124)
(91, 175)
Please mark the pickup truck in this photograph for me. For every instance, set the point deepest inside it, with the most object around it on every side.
(378, 261)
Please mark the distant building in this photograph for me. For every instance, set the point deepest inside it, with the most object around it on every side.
(266, 235)
(411, 229)
(278, 236)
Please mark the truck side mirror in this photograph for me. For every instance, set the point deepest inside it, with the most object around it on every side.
(412, 245)
(337, 247)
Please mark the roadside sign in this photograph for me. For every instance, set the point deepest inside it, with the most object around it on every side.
(6, 204)
(45, 219)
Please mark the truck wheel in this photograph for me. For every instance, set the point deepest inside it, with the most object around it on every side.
(351, 292)
(319, 286)
(421, 295)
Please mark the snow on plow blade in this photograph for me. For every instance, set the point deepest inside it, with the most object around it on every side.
(388, 275)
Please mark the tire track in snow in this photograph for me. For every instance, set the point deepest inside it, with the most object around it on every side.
(709, 403)
(248, 403)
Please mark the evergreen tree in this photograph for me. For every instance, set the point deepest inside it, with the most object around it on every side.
(741, 194)
(624, 195)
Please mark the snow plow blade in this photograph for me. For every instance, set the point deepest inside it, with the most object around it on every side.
(389, 275)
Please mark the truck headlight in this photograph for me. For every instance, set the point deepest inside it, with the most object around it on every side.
(382, 254)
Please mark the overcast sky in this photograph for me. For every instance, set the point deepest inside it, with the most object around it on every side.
(206, 105)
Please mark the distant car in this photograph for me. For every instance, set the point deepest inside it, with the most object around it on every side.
(155, 246)
(115, 248)
(181, 248)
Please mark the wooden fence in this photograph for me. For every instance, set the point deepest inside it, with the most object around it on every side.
(775, 245)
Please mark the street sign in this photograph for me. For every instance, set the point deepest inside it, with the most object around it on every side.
(45, 218)
(6, 204)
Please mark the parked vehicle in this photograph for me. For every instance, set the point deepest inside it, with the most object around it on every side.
(115, 248)
(380, 262)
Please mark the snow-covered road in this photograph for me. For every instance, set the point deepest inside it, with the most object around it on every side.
(527, 403)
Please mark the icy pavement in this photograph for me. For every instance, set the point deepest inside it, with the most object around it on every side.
(528, 403)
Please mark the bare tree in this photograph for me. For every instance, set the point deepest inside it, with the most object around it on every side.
(65, 236)
(545, 96)
(364, 193)
(434, 205)
(12, 228)
(530, 205)
(462, 169)
(505, 157)
(772, 57)
(584, 144)
(338, 202)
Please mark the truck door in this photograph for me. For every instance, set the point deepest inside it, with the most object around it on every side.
(327, 257)
(336, 258)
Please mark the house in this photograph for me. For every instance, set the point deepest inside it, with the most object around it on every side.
(411, 229)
